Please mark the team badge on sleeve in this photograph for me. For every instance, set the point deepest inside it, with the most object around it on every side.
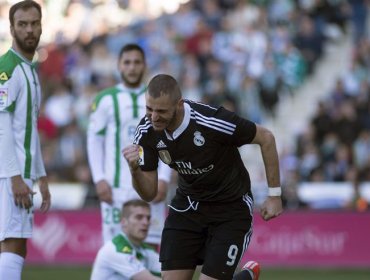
(3, 98)
(141, 156)
(3, 76)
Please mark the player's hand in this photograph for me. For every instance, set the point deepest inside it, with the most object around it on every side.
(131, 154)
(21, 192)
(104, 191)
(271, 208)
(45, 194)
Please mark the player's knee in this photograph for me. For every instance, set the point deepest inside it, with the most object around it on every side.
(15, 245)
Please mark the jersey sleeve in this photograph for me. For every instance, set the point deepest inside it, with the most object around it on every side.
(40, 167)
(99, 117)
(124, 264)
(241, 132)
(154, 266)
(98, 122)
(9, 165)
(148, 155)
(9, 91)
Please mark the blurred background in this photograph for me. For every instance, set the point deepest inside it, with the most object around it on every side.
(299, 67)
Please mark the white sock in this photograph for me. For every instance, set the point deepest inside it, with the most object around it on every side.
(11, 266)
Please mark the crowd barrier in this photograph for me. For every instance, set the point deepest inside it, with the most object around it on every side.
(301, 238)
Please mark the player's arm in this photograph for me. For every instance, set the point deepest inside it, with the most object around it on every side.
(9, 166)
(42, 179)
(164, 178)
(144, 275)
(144, 182)
(95, 151)
(272, 207)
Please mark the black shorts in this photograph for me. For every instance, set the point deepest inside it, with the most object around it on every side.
(212, 234)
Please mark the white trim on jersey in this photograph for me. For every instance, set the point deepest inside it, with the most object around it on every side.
(249, 202)
(141, 129)
(200, 103)
(247, 237)
(214, 123)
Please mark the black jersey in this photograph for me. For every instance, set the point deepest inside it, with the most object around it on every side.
(203, 150)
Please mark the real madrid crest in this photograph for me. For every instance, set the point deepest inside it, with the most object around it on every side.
(165, 156)
(198, 139)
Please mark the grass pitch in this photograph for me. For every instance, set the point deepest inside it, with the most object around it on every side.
(83, 273)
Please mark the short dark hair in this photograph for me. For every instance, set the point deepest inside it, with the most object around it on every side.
(23, 5)
(133, 203)
(163, 84)
(131, 47)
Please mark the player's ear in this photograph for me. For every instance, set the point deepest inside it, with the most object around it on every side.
(180, 103)
(123, 222)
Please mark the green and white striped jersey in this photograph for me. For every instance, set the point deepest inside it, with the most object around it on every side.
(119, 259)
(116, 112)
(20, 97)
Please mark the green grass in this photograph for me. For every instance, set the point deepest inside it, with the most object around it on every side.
(56, 273)
(83, 273)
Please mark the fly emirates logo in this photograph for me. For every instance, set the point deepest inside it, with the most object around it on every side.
(185, 168)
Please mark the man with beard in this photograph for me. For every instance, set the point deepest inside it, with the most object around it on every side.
(21, 161)
(116, 112)
(211, 216)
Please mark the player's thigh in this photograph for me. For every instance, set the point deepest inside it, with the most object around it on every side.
(227, 241)
(15, 221)
(177, 274)
(14, 245)
(182, 245)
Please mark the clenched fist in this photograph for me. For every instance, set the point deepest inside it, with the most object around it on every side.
(132, 155)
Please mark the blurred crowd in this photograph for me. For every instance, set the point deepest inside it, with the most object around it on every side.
(335, 146)
(243, 55)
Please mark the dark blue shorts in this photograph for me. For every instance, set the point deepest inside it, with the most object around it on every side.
(212, 234)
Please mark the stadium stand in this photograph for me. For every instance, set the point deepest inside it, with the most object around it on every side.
(271, 61)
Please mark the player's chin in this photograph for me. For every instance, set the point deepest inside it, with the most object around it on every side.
(159, 126)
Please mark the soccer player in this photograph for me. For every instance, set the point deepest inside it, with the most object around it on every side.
(21, 161)
(126, 256)
(116, 113)
(210, 217)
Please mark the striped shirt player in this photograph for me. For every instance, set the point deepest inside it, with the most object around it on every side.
(119, 259)
(212, 179)
(201, 150)
(210, 218)
(116, 112)
(20, 98)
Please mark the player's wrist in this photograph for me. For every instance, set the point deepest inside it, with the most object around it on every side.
(134, 168)
(274, 191)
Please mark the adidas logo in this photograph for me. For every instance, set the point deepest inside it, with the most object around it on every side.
(161, 144)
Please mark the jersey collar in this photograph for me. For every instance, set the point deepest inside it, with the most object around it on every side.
(21, 57)
(139, 90)
(183, 125)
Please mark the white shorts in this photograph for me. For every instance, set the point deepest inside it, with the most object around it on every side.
(111, 214)
(15, 222)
